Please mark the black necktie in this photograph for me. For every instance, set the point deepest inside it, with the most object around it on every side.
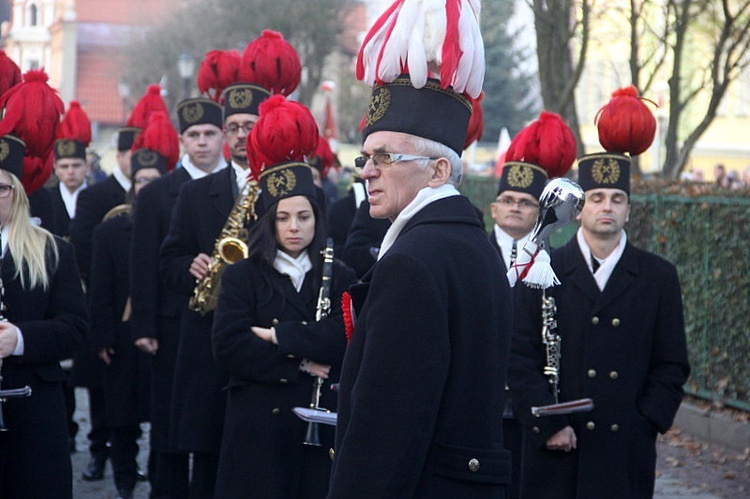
(594, 263)
(513, 253)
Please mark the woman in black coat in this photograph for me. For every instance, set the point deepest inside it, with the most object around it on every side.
(126, 376)
(266, 336)
(44, 320)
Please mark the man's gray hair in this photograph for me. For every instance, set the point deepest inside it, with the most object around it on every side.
(434, 149)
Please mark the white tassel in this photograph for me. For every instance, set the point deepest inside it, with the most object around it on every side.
(541, 275)
(524, 259)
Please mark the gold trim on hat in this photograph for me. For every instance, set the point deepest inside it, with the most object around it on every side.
(605, 171)
(192, 113)
(4, 150)
(147, 158)
(379, 104)
(65, 148)
(281, 182)
(240, 98)
(520, 176)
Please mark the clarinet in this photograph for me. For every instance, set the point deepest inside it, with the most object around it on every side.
(17, 392)
(323, 308)
(551, 341)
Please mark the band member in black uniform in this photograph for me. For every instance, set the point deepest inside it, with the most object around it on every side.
(515, 211)
(88, 371)
(620, 318)
(157, 309)
(201, 214)
(422, 385)
(44, 319)
(126, 376)
(265, 334)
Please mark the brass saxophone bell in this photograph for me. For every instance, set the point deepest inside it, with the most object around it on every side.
(232, 249)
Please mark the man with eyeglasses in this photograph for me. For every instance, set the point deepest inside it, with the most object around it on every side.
(422, 383)
(516, 208)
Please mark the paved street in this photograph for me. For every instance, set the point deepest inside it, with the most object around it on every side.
(688, 469)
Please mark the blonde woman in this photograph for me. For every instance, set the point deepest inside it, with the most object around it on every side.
(44, 321)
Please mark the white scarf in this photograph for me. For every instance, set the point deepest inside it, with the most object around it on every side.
(294, 268)
(123, 180)
(607, 266)
(70, 198)
(422, 199)
(195, 172)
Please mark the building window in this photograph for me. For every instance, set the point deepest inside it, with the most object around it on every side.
(33, 15)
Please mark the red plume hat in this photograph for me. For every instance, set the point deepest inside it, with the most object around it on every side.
(74, 134)
(157, 146)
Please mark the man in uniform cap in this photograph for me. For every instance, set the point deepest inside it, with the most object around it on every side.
(157, 309)
(198, 218)
(623, 344)
(422, 385)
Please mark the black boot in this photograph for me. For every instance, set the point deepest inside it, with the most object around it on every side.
(124, 494)
(95, 469)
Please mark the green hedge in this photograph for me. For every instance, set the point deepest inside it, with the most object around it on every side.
(705, 232)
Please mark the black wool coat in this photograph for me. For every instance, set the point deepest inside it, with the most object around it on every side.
(93, 203)
(422, 386)
(363, 240)
(61, 219)
(625, 348)
(53, 323)
(126, 378)
(40, 205)
(261, 433)
(198, 399)
(156, 310)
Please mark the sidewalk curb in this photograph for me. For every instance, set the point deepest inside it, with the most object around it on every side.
(714, 428)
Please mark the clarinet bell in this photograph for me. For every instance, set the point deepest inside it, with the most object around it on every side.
(312, 435)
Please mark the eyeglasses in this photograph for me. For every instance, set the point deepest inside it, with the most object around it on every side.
(521, 203)
(385, 159)
(5, 190)
(234, 128)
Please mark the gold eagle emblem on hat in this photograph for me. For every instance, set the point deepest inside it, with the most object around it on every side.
(605, 171)
(191, 113)
(4, 149)
(65, 148)
(281, 182)
(520, 176)
(240, 98)
(379, 104)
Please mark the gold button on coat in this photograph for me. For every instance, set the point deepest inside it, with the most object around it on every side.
(595, 320)
(591, 373)
(331, 453)
(473, 465)
(290, 356)
(615, 427)
(275, 322)
(616, 322)
(283, 381)
(275, 411)
(590, 425)
(536, 430)
(614, 375)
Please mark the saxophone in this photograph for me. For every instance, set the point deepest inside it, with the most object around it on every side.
(230, 247)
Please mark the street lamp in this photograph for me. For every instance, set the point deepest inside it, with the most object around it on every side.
(186, 68)
(123, 90)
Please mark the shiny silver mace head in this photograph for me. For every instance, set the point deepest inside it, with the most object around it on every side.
(560, 203)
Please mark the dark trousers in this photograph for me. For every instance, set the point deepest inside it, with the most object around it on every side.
(123, 454)
(99, 434)
(169, 475)
(69, 395)
(203, 481)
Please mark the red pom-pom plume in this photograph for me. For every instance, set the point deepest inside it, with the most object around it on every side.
(476, 122)
(32, 111)
(219, 69)
(36, 172)
(75, 124)
(625, 123)
(548, 142)
(160, 136)
(323, 156)
(285, 131)
(271, 62)
(10, 74)
(151, 102)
